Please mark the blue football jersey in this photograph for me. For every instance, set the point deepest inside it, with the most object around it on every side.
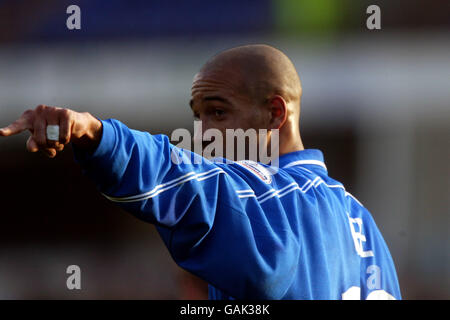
(251, 231)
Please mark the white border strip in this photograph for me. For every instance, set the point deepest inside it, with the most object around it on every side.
(300, 162)
(292, 187)
(168, 185)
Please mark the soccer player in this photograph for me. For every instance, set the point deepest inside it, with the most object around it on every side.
(248, 230)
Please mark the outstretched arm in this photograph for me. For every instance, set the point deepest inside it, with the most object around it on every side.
(207, 213)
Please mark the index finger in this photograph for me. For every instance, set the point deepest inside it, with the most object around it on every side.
(18, 126)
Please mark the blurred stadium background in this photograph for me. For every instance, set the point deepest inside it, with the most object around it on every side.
(377, 103)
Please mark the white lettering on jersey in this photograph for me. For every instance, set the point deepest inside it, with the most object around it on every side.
(380, 295)
(353, 293)
(358, 237)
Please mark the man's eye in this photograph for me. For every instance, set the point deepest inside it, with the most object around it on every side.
(219, 112)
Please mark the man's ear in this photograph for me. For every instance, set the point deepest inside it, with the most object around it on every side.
(278, 112)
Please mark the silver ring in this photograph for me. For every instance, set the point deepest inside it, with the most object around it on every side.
(53, 132)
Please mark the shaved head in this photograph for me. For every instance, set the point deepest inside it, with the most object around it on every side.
(250, 87)
(260, 71)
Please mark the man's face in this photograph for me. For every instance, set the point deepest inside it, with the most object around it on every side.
(219, 102)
